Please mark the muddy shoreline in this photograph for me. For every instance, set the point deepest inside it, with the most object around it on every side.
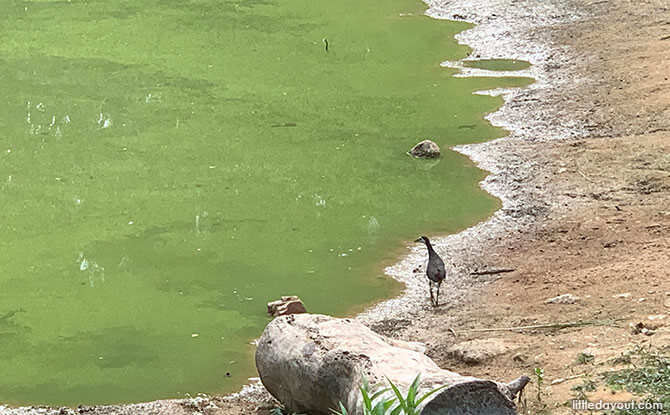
(504, 29)
(556, 112)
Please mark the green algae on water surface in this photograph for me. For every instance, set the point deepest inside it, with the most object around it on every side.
(168, 167)
(502, 65)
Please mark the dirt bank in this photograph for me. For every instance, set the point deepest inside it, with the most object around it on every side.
(585, 181)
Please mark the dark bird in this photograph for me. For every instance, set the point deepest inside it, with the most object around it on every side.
(435, 271)
(326, 42)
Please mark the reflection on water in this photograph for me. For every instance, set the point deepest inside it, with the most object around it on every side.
(92, 270)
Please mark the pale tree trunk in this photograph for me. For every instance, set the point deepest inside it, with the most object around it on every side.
(311, 363)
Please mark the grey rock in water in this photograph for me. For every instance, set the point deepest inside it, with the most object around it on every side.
(425, 150)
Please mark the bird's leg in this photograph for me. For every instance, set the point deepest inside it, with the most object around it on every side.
(437, 297)
(430, 288)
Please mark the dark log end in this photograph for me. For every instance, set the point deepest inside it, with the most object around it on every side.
(479, 397)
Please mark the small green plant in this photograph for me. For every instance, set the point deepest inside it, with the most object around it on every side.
(624, 359)
(539, 380)
(374, 403)
(343, 410)
(409, 405)
(585, 358)
(381, 403)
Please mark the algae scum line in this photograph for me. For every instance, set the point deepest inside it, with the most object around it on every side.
(169, 167)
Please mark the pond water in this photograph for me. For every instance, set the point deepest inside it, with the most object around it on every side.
(498, 64)
(168, 167)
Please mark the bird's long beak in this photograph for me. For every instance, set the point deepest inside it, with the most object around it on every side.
(419, 240)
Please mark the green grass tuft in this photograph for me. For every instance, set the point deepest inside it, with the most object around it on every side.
(650, 379)
(585, 358)
(383, 403)
(588, 385)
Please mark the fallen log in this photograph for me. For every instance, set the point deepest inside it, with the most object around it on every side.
(312, 363)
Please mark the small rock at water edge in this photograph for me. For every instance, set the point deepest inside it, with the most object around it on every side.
(287, 305)
(425, 150)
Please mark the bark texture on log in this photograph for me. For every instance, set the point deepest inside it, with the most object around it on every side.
(311, 363)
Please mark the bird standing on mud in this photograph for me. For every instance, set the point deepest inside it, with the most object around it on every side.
(435, 271)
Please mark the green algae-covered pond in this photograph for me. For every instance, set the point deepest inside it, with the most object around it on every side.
(167, 167)
(497, 64)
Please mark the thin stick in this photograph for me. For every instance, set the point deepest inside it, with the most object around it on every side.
(584, 176)
(493, 271)
(561, 380)
(544, 326)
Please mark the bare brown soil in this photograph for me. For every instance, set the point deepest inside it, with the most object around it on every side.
(609, 247)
